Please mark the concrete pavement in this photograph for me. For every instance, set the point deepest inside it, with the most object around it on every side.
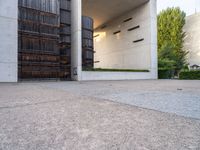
(44, 116)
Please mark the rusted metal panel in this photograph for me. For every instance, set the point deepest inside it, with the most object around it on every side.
(65, 39)
(41, 52)
(87, 43)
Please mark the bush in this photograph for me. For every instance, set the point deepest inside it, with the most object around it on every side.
(189, 75)
(165, 73)
(166, 67)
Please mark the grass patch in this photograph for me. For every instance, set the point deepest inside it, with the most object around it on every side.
(114, 70)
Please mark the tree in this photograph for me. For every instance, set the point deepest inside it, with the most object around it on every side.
(171, 37)
(166, 57)
(166, 61)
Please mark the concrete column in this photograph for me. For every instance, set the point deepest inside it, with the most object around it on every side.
(8, 41)
(154, 53)
(76, 48)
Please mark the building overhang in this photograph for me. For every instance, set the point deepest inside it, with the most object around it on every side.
(103, 11)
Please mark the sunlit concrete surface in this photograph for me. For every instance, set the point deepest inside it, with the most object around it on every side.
(8, 41)
(88, 115)
(172, 96)
(192, 40)
(104, 11)
(121, 51)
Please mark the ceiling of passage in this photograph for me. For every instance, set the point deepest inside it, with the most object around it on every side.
(104, 10)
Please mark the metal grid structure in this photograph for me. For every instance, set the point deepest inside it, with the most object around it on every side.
(65, 39)
(41, 52)
(45, 39)
(87, 43)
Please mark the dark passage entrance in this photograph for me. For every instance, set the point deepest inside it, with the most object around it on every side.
(44, 40)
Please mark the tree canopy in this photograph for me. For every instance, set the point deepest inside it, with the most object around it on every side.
(171, 38)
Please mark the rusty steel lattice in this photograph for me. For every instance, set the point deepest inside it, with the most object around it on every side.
(44, 39)
(87, 43)
(65, 38)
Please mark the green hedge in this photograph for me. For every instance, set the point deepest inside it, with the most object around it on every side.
(189, 75)
(165, 73)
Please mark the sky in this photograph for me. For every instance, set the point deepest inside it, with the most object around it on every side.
(189, 6)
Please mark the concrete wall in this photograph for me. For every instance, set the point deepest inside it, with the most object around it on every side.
(89, 75)
(119, 50)
(8, 40)
(192, 40)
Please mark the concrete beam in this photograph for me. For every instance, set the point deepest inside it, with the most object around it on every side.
(154, 49)
(103, 11)
(76, 32)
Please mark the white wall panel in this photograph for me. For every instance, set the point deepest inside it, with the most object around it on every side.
(119, 51)
(8, 38)
(192, 40)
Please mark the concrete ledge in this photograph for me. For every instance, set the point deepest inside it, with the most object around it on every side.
(92, 75)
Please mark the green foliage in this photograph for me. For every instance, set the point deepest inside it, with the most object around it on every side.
(189, 75)
(171, 39)
(165, 73)
(185, 68)
(166, 51)
(166, 63)
(166, 57)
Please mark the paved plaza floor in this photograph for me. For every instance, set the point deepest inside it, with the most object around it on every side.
(100, 115)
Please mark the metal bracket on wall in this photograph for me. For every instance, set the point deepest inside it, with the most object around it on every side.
(75, 72)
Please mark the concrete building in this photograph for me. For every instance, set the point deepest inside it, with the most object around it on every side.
(125, 38)
(192, 40)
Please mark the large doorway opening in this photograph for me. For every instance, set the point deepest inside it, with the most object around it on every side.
(121, 34)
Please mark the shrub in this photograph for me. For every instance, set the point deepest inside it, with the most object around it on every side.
(165, 73)
(166, 69)
(189, 75)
